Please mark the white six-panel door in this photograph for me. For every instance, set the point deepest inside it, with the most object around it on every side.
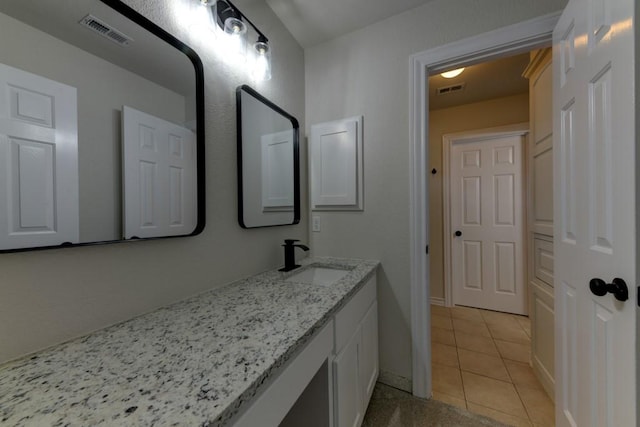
(595, 212)
(38, 161)
(487, 263)
(159, 182)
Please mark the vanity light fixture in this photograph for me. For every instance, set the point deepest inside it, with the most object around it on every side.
(262, 65)
(233, 23)
(453, 73)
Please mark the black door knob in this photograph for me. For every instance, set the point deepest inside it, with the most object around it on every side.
(458, 233)
(618, 288)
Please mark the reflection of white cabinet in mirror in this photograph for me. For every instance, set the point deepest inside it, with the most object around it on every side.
(337, 165)
(38, 161)
(277, 171)
(268, 174)
(159, 160)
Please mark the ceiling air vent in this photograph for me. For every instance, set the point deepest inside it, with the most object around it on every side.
(445, 90)
(105, 30)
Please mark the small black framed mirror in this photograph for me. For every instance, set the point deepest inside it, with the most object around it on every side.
(102, 137)
(268, 162)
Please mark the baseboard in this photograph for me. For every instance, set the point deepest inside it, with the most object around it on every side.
(545, 378)
(437, 301)
(395, 381)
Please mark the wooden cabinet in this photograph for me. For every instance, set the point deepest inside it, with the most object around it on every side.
(355, 366)
(540, 217)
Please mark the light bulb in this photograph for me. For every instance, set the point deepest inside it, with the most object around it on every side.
(202, 26)
(453, 73)
(262, 65)
(237, 31)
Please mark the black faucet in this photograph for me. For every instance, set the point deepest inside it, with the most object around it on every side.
(289, 254)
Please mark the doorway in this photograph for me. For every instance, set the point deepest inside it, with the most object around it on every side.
(480, 358)
(596, 321)
(514, 39)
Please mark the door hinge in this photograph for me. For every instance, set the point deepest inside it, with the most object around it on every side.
(428, 252)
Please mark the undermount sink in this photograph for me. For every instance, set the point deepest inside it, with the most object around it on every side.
(318, 276)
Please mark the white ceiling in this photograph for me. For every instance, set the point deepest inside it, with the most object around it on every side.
(315, 21)
(484, 81)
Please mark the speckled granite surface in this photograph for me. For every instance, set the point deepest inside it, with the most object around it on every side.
(195, 362)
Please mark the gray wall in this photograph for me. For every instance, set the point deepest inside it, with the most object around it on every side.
(366, 72)
(47, 297)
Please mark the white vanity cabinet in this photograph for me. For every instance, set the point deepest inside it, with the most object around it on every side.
(355, 366)
(330, 381)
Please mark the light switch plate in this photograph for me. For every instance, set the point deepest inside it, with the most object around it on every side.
(315, 223)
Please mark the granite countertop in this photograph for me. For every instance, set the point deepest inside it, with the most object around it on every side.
(195, 362)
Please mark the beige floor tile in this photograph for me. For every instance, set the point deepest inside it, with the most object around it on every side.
(440, 310)
(483, 364)
(505, 320)
(443, 336)
(522, 374)
(476, 343)
(539, 407)
(514, 351)
(513, 333)
(467, 313)
(493, 394)
(525, 322)
(470, 327)
(441, 322)
(444, 354)
(498, 416)
(451, 400)
(447, 380)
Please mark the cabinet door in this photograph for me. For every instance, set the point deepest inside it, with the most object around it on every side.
(348, 391)
(336, 165)
(368, 355)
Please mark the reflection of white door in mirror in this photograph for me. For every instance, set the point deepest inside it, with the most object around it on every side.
(159, 176)
(277, 171)
(38, 161)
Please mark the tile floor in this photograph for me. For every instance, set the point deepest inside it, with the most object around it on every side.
(390, 407)
(480, 362)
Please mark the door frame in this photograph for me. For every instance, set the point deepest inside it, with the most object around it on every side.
(519, 129)
(509, 40)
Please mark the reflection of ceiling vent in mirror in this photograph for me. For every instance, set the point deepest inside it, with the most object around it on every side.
(105, 30)
(458, 87)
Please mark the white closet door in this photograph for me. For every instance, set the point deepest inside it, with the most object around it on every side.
(487, 250)
(159, 159)
(38, 161)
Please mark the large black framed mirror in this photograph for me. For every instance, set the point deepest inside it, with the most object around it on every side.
(101, 127)
(268, 162)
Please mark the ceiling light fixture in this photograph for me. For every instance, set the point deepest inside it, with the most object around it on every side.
(233, 23)
(453, 73)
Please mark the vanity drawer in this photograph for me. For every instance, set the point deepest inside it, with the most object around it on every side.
(349, 318)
